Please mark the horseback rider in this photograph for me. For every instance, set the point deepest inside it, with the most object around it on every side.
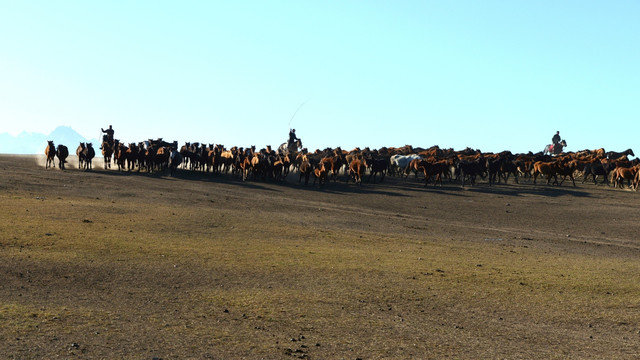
(555, 140)
(292, 137)
(109, 135)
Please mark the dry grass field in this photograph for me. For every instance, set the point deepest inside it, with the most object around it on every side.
(106, 265)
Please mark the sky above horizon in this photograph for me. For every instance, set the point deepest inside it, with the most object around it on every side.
(491, 75)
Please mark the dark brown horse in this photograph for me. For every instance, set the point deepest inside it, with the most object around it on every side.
(107, 152)
(132, 156)
(89, 154)
(81, 153)
(62, 153)
(613, 155)
(120, 155)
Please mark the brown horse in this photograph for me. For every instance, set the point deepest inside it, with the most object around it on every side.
(320, 173)
(621, 174)
(305, 169)
(120, 155)
(357, 168)
(50, 152)
(548, 169)
(107, 152)
(432, 169)
(245, 166)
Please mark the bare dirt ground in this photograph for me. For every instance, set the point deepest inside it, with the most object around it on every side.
(103, 264)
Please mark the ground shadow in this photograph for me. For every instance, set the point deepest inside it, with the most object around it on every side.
(390, 186)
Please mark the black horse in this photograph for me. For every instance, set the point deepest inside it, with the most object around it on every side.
(598, 169)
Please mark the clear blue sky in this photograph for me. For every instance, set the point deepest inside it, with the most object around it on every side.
(492, 75)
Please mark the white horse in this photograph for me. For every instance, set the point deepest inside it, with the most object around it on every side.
(400, 162)
(285, 148)
(554, 149)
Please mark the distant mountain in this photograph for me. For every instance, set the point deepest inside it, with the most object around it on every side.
(34, 143)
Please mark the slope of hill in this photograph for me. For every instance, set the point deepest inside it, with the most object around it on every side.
(113, 264)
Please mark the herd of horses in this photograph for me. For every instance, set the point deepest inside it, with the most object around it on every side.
(431, 165)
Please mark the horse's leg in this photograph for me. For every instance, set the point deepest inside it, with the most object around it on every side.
(564, 177)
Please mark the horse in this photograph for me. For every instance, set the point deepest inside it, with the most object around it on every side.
(430, 169)
(62, 153)
(120, 155)
(286, 148)
(132, 156)
(161, 159)
(377, 166)
(258, 164)
(142, 156)
(50, 152)
(471, 169)
(186, 152)
(320, 173)
(305, 169)
(556, 149)
(598, 168)
(107, 152)
(244, 159)
(80, 152)
(620, 174)
(612, 155)
(548, 169)
(357, 168)
(175, 159)
(399, 163)
(89, 154)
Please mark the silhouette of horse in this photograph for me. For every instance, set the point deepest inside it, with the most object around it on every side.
(62, 153)
(616, 155)
(89, 154)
